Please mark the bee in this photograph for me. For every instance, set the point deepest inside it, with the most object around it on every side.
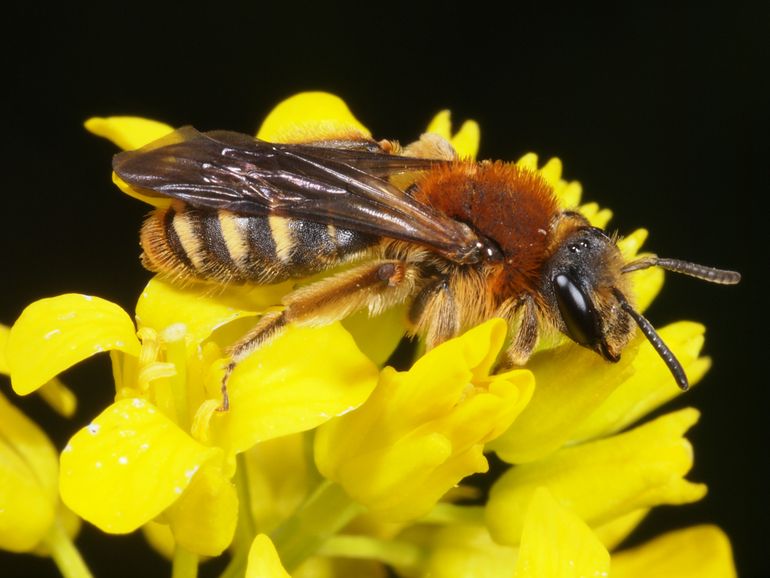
(458, 241)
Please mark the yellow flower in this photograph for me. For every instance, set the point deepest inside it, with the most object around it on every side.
(323, 459)
(162, 448)
(424, 430)
(32, 517)
(602, 480)
(28, 470)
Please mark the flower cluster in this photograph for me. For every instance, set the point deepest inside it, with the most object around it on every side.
(328, 463)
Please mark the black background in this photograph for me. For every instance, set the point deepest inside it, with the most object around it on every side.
(659, 111)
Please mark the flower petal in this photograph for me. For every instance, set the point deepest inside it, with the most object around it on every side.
(5, 332)
(28, 473)
(155, 201)
(264, 561)
(604, 479)
(465, 141)
(457, 551)
(54, 393)
(163, 304)
(203, 519)
(697, 552)
(422, 431)
(279, 474)
(54, 334)
(571, 382)
(128, 132)
(441, 124)
(580, 396)
(596, 216)
(59, 397)
(377, 337)
(646, 283)
(309, 116)
(128, 465)
(651, 385)
(615, 531)
(567, 193)
(555, 543)
(292, 384)
(160, 538)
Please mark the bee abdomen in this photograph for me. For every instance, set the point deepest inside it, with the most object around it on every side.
(221, 246)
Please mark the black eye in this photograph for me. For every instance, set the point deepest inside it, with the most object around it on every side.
(577, 311)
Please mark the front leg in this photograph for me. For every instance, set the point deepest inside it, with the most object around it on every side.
(377, 285)
(523, 324)
(434, 313)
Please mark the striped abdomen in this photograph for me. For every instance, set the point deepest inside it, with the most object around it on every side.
(206, 244)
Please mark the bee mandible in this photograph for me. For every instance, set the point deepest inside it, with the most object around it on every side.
(458, 241)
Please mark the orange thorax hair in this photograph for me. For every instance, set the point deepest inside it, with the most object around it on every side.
(511, 205)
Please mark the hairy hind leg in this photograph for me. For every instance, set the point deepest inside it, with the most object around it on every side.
(376, 285)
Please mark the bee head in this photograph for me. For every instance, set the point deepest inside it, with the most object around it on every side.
(588, 293)
(582, 284)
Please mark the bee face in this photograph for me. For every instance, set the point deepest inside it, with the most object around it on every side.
(580, 284)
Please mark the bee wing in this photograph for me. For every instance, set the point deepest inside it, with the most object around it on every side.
(344, 185)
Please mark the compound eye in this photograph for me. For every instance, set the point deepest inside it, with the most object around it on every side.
(577, 311)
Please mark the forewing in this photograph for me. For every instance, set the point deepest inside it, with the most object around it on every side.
(345, 187)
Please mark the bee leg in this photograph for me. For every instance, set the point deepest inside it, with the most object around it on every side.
(526, 333)
(377, 285)
(434, 313)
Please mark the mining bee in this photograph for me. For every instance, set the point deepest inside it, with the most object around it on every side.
(458, 241)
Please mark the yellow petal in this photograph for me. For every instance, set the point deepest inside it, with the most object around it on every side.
(155, 201)
(465, 141)
(160, 538)
(580, 396)
(596, 216)
(651, 385)
(128, 132)
(163, 304)
(551, 171)
(54, 334)
(295, 383)
(458, 551)
(604, 479)
(264, 561)
(441, 124)
(128, 465)
(615, 531)
(697, 552)
(66, 528)
(310, 116)
(59, 397)
(556, 543)
(28, 472)
(54, 393)
(203, 519)
(377, 337)
(646, 283)
(422, 431)
(4, 334)
(571, 383)
(279, 475)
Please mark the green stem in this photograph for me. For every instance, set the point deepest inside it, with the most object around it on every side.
(185, 564)
(323, 514)
(452, 514)
(246, 529)
(392, 552)
(65, 554)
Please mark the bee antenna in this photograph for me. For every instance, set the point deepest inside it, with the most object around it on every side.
(657, 343)
(710, 274)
